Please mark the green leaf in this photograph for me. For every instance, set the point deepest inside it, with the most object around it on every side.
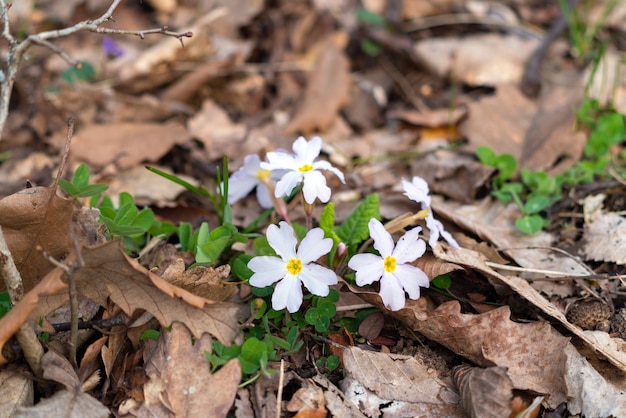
(239, 266)
(126, 214)
(332, 362)
(506, 165)
(184, 236)
(370, 18)
(312, 316)
(327, 309)
(355, 228)
(263, 247)
(253, 352)
(442, 281)
(5, 303)
(536, 204)
(91, 190)
(202, 191)
(69, 188)
(144, 219)
(610, 130)
(486, 156)
(150, 334)
(81, 176)
(84, 72)
(121, 230)
(530, 224)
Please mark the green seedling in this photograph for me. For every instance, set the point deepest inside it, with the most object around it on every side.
(79, 186)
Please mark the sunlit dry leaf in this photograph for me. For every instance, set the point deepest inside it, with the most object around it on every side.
(485, 392)
(35, 220)
(433, 119)
(533, 353)
(16, 389)
(471, 259)
(482, 59)
(307, 402)
(206, 282)
(179, 368)
(109, 273)
(433, 266)
(13, 320)
(605, 238)
(126, 144)
(327, 92)
(70, 402)
(375, 380)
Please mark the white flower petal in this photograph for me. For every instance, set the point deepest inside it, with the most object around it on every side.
(267, 270)
(283, 240)
(278, 161)
(307, 152)
(431, 224)
(263, 196)
(239, 187)
(317, 279)
(409, 247)
(436, 224)
(287, 294)
(411, 279)
(287, 183)
(417, 191)
(392, 293)
(382, 239)
(369, 268)
(315, 187)
(325, 165)
(313, 246)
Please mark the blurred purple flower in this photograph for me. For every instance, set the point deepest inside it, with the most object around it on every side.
(111, 48)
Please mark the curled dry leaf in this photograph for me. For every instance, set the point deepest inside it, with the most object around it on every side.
(69, 402)
(35, 220)
(201, 281)
(486, 393)
(533, 353)
(109, 274)
(15, 318)
(177, 367)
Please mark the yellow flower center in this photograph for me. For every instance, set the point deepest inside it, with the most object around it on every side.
(263, 175)
(390, 264)
(305, 167)
(294, 266)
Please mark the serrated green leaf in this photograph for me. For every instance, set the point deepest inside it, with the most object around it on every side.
(355, 228)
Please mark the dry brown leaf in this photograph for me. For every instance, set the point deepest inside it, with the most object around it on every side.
(326, 93)
(486, 393)
(213, 127)
(179, 368)
(206, 282)
(110, 274)
(36, 220)
(126, 144)
(434, 267)
(308, 402)
(16, 389)
(533, 352)
(605, 238)
(13, 320)
(70, 402)
(433, 119)
(475, 261)
(483, 59)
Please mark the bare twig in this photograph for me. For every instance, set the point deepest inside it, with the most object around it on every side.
(17, 49)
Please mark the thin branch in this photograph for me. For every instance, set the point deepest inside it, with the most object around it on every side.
(18, 49)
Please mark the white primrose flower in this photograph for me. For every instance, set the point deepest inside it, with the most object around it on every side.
(390, 267)
(417, 190)
(249, 176)
(293, 267)
(302, 168)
